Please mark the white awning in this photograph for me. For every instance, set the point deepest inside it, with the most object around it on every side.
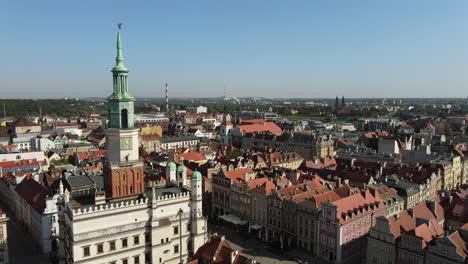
(233, 219)
(256, 227)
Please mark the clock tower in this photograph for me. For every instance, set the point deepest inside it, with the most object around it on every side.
(123, 170)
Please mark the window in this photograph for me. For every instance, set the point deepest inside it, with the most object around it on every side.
(100, 248)
(124, 242)
(176, 230)
(162, 240)
(136, 259)
(112, 245)
(346, 230)
(124, 261)
(176, 249)
(147, 257)
(86, 251)
(323, 239)
(136, 240)
(352, 229)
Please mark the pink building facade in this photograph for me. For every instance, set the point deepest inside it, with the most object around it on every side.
(343, 225)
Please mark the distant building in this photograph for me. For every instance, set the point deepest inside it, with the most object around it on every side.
(364, 124)
(201, 109)
(178, 142)
(151, 143)
(23, 125)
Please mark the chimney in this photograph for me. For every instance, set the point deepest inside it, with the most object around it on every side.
(234, 254)
(99, 198)
(432, 206)
(339, 184)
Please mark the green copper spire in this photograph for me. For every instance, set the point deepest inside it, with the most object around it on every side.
(120, 87)
(121, 115)
(119, 66)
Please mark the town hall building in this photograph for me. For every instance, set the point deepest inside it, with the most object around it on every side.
(128, 221)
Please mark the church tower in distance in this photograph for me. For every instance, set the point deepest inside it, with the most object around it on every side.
(123, 170)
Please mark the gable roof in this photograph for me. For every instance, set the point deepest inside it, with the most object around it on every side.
(362, 202)
(261, 127)
(34, 193)
(217, 250)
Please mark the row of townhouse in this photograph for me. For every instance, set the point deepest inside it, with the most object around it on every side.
(328, 220)
(416, 235)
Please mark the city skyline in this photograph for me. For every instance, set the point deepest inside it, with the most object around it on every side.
(262, 49)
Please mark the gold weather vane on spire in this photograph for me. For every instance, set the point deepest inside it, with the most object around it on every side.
(120, 25)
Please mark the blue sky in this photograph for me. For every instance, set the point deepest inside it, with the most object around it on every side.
(272, 48)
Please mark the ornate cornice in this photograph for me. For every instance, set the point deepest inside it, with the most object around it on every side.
(108, 231)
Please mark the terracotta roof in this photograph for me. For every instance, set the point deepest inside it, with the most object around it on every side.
(460, 242)
(34, 193)
(364, 201)
(226, 123)
(377, 134)
(195, 156)
(91, 155)
(429, 126)
(455, 208)
(256, 182)
(238, 175)
(346, 141)
(24, 122)
(217, 250)
(406, 126)
(407, 222)
(318, 200)
(321, 163)
(266, 188)
(261, 127)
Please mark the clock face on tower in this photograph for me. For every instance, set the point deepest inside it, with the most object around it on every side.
(126, 143)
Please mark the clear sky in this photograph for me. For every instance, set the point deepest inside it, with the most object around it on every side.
(271, 48)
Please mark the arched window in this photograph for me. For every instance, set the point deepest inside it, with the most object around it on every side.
(124, 118)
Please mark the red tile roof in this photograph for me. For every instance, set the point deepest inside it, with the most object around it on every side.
(91, 155)
(321, 163)
(377, 134)
(217, 250)
(406, 223)
(34, 193)
(195, 156)
(460, 242)
(24, 122)
(355, 202)
(226, 123)
(261, 127)
(238, 175)
(266, 188)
